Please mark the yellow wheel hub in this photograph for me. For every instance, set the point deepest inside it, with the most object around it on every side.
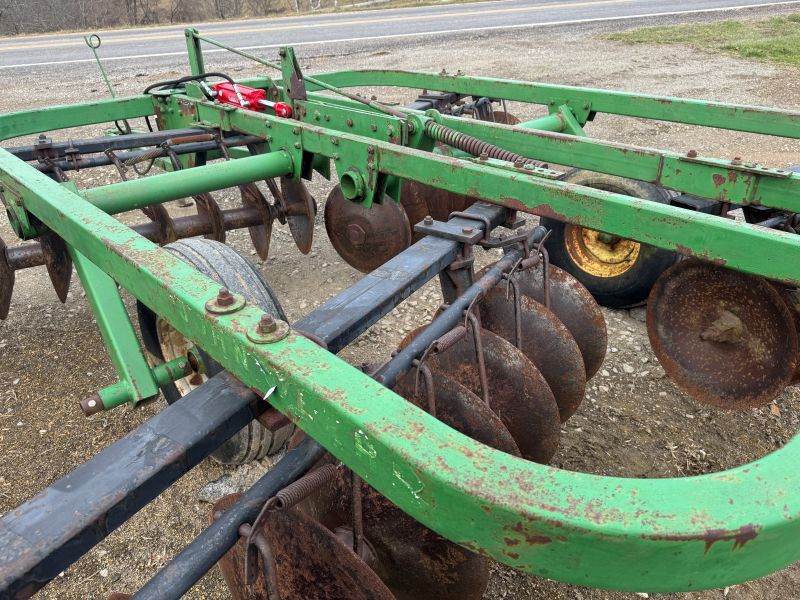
(600, 254)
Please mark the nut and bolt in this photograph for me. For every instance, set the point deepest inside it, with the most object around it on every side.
(356, 234)
(483, 156)
(519, 163)
(267, 324)
(428, 220)
(737, 160)
(467, 230)
(224, 297)
(692, 154)
(349, 122)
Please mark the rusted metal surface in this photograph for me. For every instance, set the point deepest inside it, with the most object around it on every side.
(32, 255)
(420, 200)
(6, 281)
(517, 391)
(791, 296)
(311, 563)
(260, 234)
(575, 308)
(413, 561)
(726, 338)
(545, 341)
(58, 263)
(459, 408)
(299, 209)
(366, 237)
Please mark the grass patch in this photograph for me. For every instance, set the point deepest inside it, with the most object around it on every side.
(776, 39)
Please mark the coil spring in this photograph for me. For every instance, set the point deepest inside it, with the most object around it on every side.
(156, 152)
(471, 145)
(302, 488)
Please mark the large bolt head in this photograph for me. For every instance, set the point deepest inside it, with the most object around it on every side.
(356, 234)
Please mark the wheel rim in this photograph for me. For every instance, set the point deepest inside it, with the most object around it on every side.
(173, 345)
(600, 254)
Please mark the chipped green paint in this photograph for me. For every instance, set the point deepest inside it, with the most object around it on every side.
(654, 535)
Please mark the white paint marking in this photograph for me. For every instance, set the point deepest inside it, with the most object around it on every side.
(415, 34)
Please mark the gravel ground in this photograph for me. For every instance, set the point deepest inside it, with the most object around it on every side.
(634, 421)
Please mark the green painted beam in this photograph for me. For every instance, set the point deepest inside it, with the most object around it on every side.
(655, 535)
(138, 193)
(740, 246)
(64, 116)
(710, 178)
(116, 329)
(753, 119)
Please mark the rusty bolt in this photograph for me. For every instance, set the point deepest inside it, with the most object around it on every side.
(224, 297)
(296, 130)
(467, 230)
(371, 150)
(692, 154)
(267, 324)
(373, 127)
(483, 156)
(428, 220)
(519, 163)
(349, 122)
(356, 234)
(737, 160)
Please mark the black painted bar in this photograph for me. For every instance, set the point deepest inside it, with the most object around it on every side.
(49, 532)
(194, 561)
(350, 313)
(112, 142)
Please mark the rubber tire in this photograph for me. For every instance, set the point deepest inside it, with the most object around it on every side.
(223, 264)
(632, 287)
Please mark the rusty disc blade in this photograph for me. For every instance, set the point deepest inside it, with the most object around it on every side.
(460, 409)
(300, 212)
(311, 563)
(518, 393)
(366, 237)
(420, 200)
(575, 308)
(58, 263)
(499, 116)
(413, 561)
(261, 234)
(726, 338)
(6, 281)
(791, 296)
(545, 341)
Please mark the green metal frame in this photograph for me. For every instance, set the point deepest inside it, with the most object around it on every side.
(631, 534)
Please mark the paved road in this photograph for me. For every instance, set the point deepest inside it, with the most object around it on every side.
(138, 44)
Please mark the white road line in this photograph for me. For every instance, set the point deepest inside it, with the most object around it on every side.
(416, 34)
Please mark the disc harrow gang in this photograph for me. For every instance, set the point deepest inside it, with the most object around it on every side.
(405, 479)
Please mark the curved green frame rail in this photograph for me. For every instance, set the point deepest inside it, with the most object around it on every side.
(630, 534)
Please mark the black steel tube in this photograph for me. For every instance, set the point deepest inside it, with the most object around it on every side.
(29, 255)
(52, 530)
(108, 142)
(102, 160)
(194, 561)
(402, 362)
(350, 313)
